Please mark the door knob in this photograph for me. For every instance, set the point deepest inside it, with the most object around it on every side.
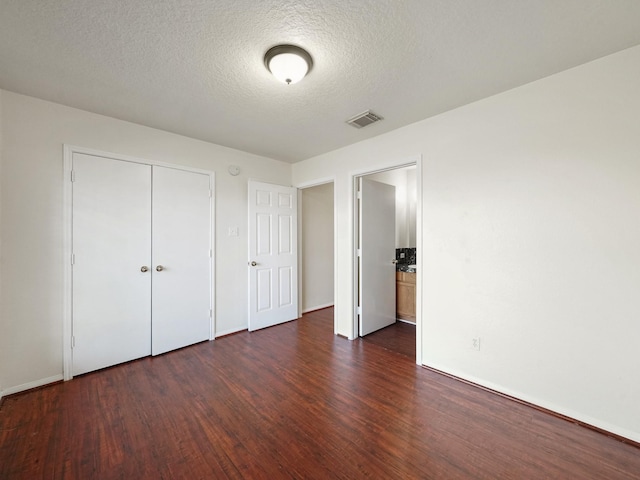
(394, 261)
(253, 264)
(144, 268)
(159, 268)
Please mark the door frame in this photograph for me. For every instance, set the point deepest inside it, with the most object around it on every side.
(353, 185)
(300, 187)
(67, 241)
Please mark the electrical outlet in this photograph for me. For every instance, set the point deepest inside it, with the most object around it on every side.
(402, 255)
(233, 231)
(475, 343)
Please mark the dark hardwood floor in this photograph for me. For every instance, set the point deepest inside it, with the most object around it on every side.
(291, 402)
(399, 337)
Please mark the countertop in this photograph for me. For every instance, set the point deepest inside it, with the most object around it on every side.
(401, 267)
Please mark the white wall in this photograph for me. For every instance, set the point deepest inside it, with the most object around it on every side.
(404, 179)
(34, 132)
(316, 217)
(530, 238)
(412, 212)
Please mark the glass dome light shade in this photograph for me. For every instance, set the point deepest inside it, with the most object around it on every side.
(288, 63)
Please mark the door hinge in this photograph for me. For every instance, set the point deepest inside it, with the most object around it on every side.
(359, 310)
(210, 253)
(359, 252)
(73, 341)
(359, 195)
(210, 313)
(210, 194)
(73, 259)
(73, 175)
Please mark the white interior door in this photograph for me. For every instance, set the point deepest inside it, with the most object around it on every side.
(273, 255)
(377, 269)
(181, 272)
(111, 320)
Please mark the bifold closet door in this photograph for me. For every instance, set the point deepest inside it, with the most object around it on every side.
(181, 283)
(111, 262)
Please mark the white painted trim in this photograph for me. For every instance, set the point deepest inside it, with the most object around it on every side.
(405, 321)
(419, 260)
(391, 165)
(355, 248)
(309, 184)
(67, 245)
(30, 385)
(212, 259)
(67, 251)
(316, 182)
(129, 158)
(300, 252)
(318, 307)
(567, 412)
(355, 175)
(230, 331)
(335, 257)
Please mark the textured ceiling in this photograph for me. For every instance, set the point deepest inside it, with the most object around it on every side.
(194, 67)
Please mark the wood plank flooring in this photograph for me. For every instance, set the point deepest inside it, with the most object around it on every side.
(291, 402)
(399, 337)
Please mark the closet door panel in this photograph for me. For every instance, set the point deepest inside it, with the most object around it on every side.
(181, 283)
(111, 244)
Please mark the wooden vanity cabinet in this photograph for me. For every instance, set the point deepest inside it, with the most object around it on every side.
(406, 296)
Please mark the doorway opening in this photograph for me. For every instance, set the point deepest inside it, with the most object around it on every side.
(386, 255)
(317, 250)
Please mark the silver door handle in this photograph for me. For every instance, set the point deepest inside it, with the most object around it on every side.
(159, 268)
(394, 261)
(253, 264)
(144, 269)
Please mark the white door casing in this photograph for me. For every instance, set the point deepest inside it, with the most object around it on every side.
(181, 250)
(377, 272)
(273, 257)
(111, 244)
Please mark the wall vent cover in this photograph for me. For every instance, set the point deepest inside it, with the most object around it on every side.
(363, 119)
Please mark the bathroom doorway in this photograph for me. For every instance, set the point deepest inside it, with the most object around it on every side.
(397, 261)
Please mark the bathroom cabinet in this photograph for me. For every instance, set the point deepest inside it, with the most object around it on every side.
(406, 296)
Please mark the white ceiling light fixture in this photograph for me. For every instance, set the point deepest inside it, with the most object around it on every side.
(288, 63)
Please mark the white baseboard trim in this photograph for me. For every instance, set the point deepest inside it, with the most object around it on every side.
(568, 413)
(229, 332)
(405, 321)
(30, 385)
(317, 307)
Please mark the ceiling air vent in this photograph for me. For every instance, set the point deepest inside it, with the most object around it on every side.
(364, 119)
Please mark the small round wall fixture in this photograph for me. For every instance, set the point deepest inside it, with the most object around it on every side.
(288, 63)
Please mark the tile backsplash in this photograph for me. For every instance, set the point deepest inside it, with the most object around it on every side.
(409, 256)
